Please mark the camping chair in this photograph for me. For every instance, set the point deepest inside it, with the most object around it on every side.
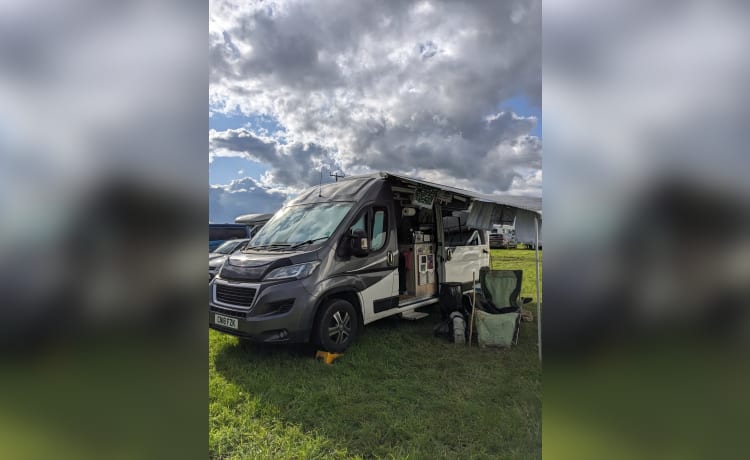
(499, 314)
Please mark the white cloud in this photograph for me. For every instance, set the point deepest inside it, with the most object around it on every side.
(361, 86)
(292, 165)
(241, 196)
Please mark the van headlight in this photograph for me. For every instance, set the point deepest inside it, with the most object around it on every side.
(298, 271)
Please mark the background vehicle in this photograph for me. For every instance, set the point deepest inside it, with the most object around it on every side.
(502, 237)
(219, 233)
(497, 240)
(217, 258)
(531, 245)
(254, 221)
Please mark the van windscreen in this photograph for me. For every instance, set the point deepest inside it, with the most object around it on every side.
(297, 224)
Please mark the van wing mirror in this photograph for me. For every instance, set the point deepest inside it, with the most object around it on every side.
(358, 243)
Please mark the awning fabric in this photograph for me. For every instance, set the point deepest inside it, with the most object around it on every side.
(525, 227)
(486, 210)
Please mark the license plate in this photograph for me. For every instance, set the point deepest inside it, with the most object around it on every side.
(225, 321)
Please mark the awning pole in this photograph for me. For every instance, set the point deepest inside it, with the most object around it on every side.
(538, 292)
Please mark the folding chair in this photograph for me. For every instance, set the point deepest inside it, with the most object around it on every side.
(500, 293)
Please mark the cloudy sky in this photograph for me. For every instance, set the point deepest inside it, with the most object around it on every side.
(444, 90)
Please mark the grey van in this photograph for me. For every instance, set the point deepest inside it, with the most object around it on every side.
(342, 255)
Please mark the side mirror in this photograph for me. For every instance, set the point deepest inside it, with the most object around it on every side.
(358, 243)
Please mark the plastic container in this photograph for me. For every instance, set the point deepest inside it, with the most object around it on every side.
(450, 298)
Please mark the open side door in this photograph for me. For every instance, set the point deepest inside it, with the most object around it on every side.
(462, 260)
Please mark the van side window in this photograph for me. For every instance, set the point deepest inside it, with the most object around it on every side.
(379, 229)
(360, 224)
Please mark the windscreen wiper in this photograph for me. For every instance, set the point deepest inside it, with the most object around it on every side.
(247, 248)
(266, 246)
(309, 242)
(272, 246)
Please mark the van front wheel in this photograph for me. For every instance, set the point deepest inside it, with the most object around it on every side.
(336, 325)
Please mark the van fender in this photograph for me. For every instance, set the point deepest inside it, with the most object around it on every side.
(350, 286)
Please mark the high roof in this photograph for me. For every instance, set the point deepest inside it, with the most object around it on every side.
(351, 188)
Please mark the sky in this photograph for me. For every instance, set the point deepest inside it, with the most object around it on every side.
(442, 90)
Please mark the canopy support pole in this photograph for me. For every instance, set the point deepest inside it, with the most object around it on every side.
(538, 292)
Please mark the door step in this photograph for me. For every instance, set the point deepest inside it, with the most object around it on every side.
(414, 315)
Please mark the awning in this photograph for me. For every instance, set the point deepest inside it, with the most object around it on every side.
(486, 210)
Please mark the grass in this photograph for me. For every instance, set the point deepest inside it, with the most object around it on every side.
(398, 392)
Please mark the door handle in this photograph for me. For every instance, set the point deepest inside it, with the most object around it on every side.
(485, 251)
(390, 257)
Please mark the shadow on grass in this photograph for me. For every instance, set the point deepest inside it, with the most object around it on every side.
(400, 391)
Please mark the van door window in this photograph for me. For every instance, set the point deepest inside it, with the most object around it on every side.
(360, 224)
(379, 229)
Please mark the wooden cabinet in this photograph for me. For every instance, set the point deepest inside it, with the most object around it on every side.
(420, 269)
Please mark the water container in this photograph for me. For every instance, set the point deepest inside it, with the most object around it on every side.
(459, 327)
(450, 298)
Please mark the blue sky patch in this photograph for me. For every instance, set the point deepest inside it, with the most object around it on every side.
(225, 169)
(255, 123)
(520, 105)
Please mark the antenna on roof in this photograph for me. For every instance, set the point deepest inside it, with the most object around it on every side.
(336, 174)
(320, 184)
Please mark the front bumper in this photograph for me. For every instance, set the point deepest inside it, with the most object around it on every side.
(281, 312)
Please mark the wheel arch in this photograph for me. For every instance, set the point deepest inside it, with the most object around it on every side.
(348, 294)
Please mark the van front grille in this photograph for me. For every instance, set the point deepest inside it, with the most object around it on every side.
(235, 295)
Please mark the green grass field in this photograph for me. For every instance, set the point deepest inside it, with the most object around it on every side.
(398, 392)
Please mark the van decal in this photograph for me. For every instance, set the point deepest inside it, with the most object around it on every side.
(387, 303)
(376, 262)
(369, 270)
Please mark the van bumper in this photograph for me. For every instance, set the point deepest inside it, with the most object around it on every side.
(280, 313)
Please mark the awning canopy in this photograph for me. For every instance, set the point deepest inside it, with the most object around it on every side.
(485, 209)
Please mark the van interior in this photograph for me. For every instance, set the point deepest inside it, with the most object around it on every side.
(421, 239)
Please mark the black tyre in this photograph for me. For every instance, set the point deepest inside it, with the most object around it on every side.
(336, 325)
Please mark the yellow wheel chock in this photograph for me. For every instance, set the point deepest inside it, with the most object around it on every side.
(328, 358)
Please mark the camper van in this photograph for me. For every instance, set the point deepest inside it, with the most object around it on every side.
(342, 255)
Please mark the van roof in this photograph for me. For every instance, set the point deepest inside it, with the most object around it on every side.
(352, 188)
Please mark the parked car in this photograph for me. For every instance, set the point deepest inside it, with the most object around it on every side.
(217, 258)
(219, 233)
(499, 240)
